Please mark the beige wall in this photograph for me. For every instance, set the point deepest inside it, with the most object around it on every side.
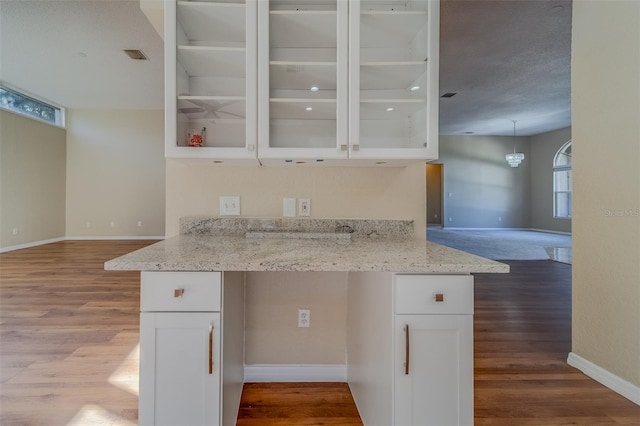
(115, 173)
(272, 301)
(32, 176)
(606, 169)
(543, 151)
(483, 187)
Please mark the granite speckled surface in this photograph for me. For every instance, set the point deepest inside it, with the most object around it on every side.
(369, 228)
(202, 248)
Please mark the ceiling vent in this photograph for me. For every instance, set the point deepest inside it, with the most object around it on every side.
(449, 95)
(136, 54)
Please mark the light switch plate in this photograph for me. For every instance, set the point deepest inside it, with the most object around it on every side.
(289, 207)
(230, 206)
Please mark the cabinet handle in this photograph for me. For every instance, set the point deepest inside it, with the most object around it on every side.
(178, 292)
(438, 297)
(356, 147)
(406, 349)
(343, 147)
(210, 348)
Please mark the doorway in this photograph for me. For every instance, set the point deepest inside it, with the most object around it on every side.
(434, 176)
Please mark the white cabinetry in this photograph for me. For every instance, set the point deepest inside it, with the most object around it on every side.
(393, 79)
(182, 377)
(210, 79)
(289, 80)
(303, 98)
(413, 366)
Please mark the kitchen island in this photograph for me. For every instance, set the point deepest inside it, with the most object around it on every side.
(409, 320)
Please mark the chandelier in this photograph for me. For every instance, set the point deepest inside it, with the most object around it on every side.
(516, 158)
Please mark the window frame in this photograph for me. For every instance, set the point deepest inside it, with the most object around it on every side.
(59, 111)
(560, 168)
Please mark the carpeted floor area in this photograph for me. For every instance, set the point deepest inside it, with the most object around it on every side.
(505, 244)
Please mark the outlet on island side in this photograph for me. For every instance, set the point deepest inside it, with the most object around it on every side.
(304, 317)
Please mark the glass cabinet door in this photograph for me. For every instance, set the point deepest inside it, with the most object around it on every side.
(214, 88)
(394, 78)
(302, 56)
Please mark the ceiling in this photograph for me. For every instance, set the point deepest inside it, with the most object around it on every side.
(505, 60)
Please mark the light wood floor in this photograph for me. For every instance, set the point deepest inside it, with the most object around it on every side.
(69, 334)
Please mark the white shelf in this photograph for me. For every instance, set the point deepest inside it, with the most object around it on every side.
(212, 107)
(376, 109)
(204, 21)
(390, 28)
(205, 61)
(308, 29)
(302, 75)
(390, 75)
(286, 108)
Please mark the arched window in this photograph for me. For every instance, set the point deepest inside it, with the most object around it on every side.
(562, 182)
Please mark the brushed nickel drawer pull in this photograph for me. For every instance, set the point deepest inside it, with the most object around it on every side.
(178, 292)
(210, 348)
(438, 297)
(406, 349)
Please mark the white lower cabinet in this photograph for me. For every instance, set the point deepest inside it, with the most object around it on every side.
(183, 345)
(437, 387)
(410, 348)
(179, 368)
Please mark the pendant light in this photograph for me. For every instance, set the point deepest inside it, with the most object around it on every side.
(516, 158)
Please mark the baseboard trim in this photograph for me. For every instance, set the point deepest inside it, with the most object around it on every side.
(610, 380)
(462, 228)
(121, 237)
(31, 244)
(295, 373)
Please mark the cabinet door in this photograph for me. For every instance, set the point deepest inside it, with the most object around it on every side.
(302, 63)
(436, 388)
(393, 78)
(211, 79)
(179, 368)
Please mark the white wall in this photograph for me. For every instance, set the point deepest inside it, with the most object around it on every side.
(272, 335)
(606, 170)
(543, 150)
(32, 181)
(482, 185)
(115, 173)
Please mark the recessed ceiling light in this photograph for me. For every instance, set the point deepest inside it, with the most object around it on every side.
(136, 54)
(449, 95)
(390, 109)
(309, 109)
(415, 88)
(314, 88)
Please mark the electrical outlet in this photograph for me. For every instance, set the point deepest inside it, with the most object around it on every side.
(304, 207)
(304, 317)
(112, 224)
(139, 224)
(230, 206)
(289, 207)
(15, 231)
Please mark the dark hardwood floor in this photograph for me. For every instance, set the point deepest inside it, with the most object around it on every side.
(69, 334)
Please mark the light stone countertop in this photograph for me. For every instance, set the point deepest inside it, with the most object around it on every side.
(204, 252)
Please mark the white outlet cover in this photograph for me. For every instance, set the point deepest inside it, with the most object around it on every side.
(304, 207)
(230, 206)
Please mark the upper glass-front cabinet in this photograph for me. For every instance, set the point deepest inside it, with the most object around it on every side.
(302, 80)
(393, 79)
(211, 79)
(303, 60)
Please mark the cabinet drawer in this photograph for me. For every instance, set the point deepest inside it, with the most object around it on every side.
(434, 294)
(180, 291)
